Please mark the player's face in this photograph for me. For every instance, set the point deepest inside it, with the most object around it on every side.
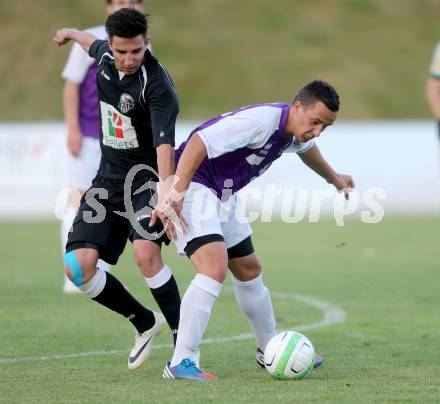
(309, 122)
(116, 5)
(128, 52)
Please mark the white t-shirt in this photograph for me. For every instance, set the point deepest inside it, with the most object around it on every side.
(79, 61)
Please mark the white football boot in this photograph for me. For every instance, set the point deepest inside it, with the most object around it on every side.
(143, 342)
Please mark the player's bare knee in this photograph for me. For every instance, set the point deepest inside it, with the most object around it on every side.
(253, 270)
(248, 273)
(245, 268)
(217, 272)
(211, 263)
(79, 268)
(148, 260)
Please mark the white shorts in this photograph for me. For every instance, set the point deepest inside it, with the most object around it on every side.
(82, 169)
(206, 214)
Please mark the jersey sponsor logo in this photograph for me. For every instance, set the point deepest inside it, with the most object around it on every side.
(126, 103)
(117, 130)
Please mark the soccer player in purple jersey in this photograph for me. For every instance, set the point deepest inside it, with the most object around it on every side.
(81, 115)
(219, 158)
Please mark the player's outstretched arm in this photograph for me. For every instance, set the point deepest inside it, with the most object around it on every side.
(84, 39)
(314, 159)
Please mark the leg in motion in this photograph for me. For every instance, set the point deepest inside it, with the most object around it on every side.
(160, 280)
(210, 261)
(105, 289)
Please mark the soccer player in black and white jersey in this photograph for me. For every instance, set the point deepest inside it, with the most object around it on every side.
(138, 107)
(81, 117)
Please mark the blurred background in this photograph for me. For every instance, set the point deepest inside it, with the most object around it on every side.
(223, 54)
(227, 53)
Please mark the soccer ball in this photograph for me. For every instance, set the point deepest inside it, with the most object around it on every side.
(289, 355)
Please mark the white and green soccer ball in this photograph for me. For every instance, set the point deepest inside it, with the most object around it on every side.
(289, 355)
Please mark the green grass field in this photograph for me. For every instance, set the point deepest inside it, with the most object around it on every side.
(58, 348)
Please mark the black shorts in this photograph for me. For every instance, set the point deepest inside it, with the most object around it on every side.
(104, 222)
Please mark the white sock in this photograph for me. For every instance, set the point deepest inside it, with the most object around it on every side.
(160, 279)
(195, 311)
(105, 266)
(94, 286)
(254, 301)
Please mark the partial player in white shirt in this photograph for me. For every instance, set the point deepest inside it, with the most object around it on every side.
(81, 116)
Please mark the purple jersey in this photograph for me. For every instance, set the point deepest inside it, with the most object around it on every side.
(241, 145)
(81, 69)
(88, 105)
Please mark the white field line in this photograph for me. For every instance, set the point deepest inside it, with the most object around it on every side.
(332, 315)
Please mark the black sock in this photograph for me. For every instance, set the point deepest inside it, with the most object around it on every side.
(168, 299)
(115, 297)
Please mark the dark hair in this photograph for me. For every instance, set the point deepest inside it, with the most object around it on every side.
(134, 1)
(126, 23)
(318, 90)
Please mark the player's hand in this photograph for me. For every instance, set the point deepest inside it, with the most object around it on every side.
(343, 183)
(62, 36)
(169, 212)
(74, 142)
